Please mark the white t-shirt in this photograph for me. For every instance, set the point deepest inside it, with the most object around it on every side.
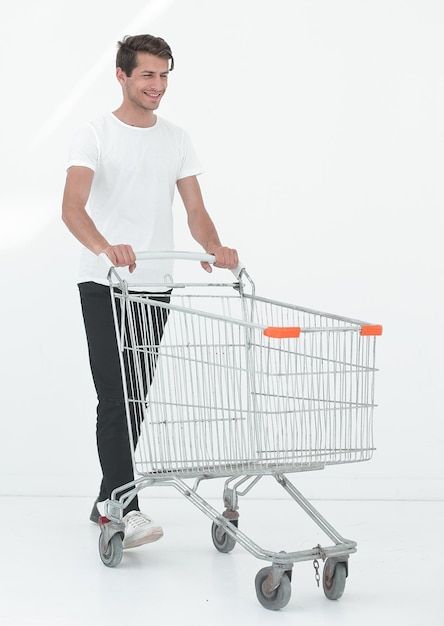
(135, 175)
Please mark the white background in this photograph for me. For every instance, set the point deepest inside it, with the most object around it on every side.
(320, 127)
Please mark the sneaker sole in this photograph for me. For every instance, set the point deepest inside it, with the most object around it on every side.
(155, 535)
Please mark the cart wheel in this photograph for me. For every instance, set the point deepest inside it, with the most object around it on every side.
(334, 585)
(279, 598)
(226, 542)
(112, 555)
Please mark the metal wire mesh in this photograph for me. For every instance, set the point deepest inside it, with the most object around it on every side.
(208, 394)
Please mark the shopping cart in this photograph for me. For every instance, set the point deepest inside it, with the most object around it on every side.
(220, 382)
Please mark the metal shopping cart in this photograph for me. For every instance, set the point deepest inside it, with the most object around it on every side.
(222, 383)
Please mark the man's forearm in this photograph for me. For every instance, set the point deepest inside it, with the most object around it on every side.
(83, 228)
(203, 231)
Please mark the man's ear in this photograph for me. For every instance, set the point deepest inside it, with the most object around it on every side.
(120, 75)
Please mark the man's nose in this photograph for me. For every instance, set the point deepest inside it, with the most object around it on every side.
(156, 83)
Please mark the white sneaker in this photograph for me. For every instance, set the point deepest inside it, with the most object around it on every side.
(140, 529)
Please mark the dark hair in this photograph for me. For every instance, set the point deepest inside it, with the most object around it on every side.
(128, 48)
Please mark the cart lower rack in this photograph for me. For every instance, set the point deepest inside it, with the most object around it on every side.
(220, 382)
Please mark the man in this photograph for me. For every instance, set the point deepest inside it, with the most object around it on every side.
(122, 173)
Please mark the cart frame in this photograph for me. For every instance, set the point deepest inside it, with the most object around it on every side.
(262, 363)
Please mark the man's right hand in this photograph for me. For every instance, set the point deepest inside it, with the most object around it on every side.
(121, 255)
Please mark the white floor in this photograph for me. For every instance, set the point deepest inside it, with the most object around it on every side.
(51, 572)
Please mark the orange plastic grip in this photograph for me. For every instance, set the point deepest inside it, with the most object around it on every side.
(282, 332)
(371, 330)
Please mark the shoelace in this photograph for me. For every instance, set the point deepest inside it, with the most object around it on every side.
(138, 520)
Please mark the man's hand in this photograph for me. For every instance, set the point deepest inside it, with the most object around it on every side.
(121, 255)
(225, 257)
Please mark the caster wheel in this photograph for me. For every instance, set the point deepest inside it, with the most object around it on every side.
(112, 555)
(222, 540)
(334, 585)
(278, 598)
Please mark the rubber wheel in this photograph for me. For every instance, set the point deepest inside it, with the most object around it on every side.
(334, 587)
(279, 598)
(112, 555)
(227, 542)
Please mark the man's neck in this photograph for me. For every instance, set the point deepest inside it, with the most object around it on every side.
(144, 119)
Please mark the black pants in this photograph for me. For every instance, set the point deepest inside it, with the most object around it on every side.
(113, 442)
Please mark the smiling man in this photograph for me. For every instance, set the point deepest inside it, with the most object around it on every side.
(144, 86)
(123, 170)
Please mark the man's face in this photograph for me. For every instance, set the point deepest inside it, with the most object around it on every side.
(148, 81)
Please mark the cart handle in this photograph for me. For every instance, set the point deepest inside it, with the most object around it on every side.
(173, 254)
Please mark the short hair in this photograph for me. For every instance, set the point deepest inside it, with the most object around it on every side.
(128, 48)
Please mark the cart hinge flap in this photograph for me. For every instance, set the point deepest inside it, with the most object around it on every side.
(282, 332)
(371, 330)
